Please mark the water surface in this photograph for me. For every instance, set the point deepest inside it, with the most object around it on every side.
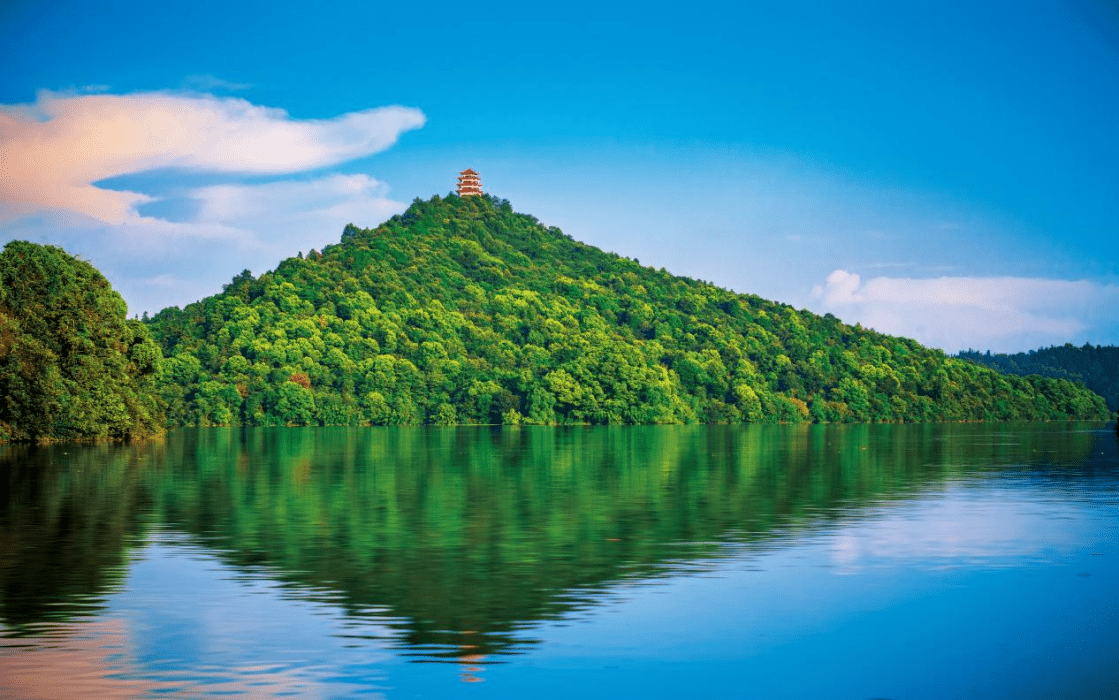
(729, 561)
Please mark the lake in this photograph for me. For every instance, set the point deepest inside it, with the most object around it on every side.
(857, 561)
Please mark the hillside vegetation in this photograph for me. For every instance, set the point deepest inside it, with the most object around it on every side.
(71, 365)
(1096, 366)
(462, 311)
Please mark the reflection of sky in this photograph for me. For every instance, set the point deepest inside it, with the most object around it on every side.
(195, 621)
(995, 590)
(962, 527)
(84, 665)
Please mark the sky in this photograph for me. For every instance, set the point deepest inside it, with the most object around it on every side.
(943, 171)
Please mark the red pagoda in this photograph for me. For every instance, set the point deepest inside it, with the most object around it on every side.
(469, 184)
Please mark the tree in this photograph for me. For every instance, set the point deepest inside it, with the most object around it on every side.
(72, 366)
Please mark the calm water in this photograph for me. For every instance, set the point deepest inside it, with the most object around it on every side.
(902, 562)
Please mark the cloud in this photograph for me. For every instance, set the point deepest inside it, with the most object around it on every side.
(180, 241)
(156, 263)
(346, 195)
(54, 150)
(204, 82)
(1003, 314)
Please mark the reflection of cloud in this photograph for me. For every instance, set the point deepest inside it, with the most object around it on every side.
(189, 626)
(952, 531)
(94, 661)
(999, 313)
(87, 664)
(56, 148)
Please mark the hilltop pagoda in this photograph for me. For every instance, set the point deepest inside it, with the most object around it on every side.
(469, 184)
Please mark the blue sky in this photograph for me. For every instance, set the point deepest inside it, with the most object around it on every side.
(946, 172)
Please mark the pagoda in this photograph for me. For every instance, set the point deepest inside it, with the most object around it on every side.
(469, 184)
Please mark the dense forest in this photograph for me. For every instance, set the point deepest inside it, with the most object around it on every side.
(1095, 366)
(462, 311)
(72, 366)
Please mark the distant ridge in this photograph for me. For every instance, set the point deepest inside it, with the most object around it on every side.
(1095, 366)
(462, 311)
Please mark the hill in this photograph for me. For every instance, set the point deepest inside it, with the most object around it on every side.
(462, 311)
(71, 365)
(1095, 366)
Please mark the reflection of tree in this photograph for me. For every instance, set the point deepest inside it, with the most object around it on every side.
(465, 538)
(68, 514)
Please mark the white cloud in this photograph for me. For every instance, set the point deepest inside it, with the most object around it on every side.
(1003, 314)
(250, 203)
(54, 150)
(155, 263)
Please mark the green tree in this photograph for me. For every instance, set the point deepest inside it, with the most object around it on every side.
(72, 366)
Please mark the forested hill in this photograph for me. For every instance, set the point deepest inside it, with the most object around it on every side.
(462, 311)
(1096, 366)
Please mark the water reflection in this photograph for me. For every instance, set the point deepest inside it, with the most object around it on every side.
(456, 543)
(68, 516)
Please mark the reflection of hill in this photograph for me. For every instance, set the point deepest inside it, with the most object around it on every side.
(67, 516)
(468, 536)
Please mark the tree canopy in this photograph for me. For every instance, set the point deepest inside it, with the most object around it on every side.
(462, 311)
(72, 366)
(1096, 366)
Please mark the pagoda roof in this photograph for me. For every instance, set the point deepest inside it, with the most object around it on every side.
(468, 171)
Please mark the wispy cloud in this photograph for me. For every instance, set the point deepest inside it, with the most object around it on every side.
(955, 313)
(181, 241)
(156, 263)
(209, 83)
(355, 196)
(55, 149)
